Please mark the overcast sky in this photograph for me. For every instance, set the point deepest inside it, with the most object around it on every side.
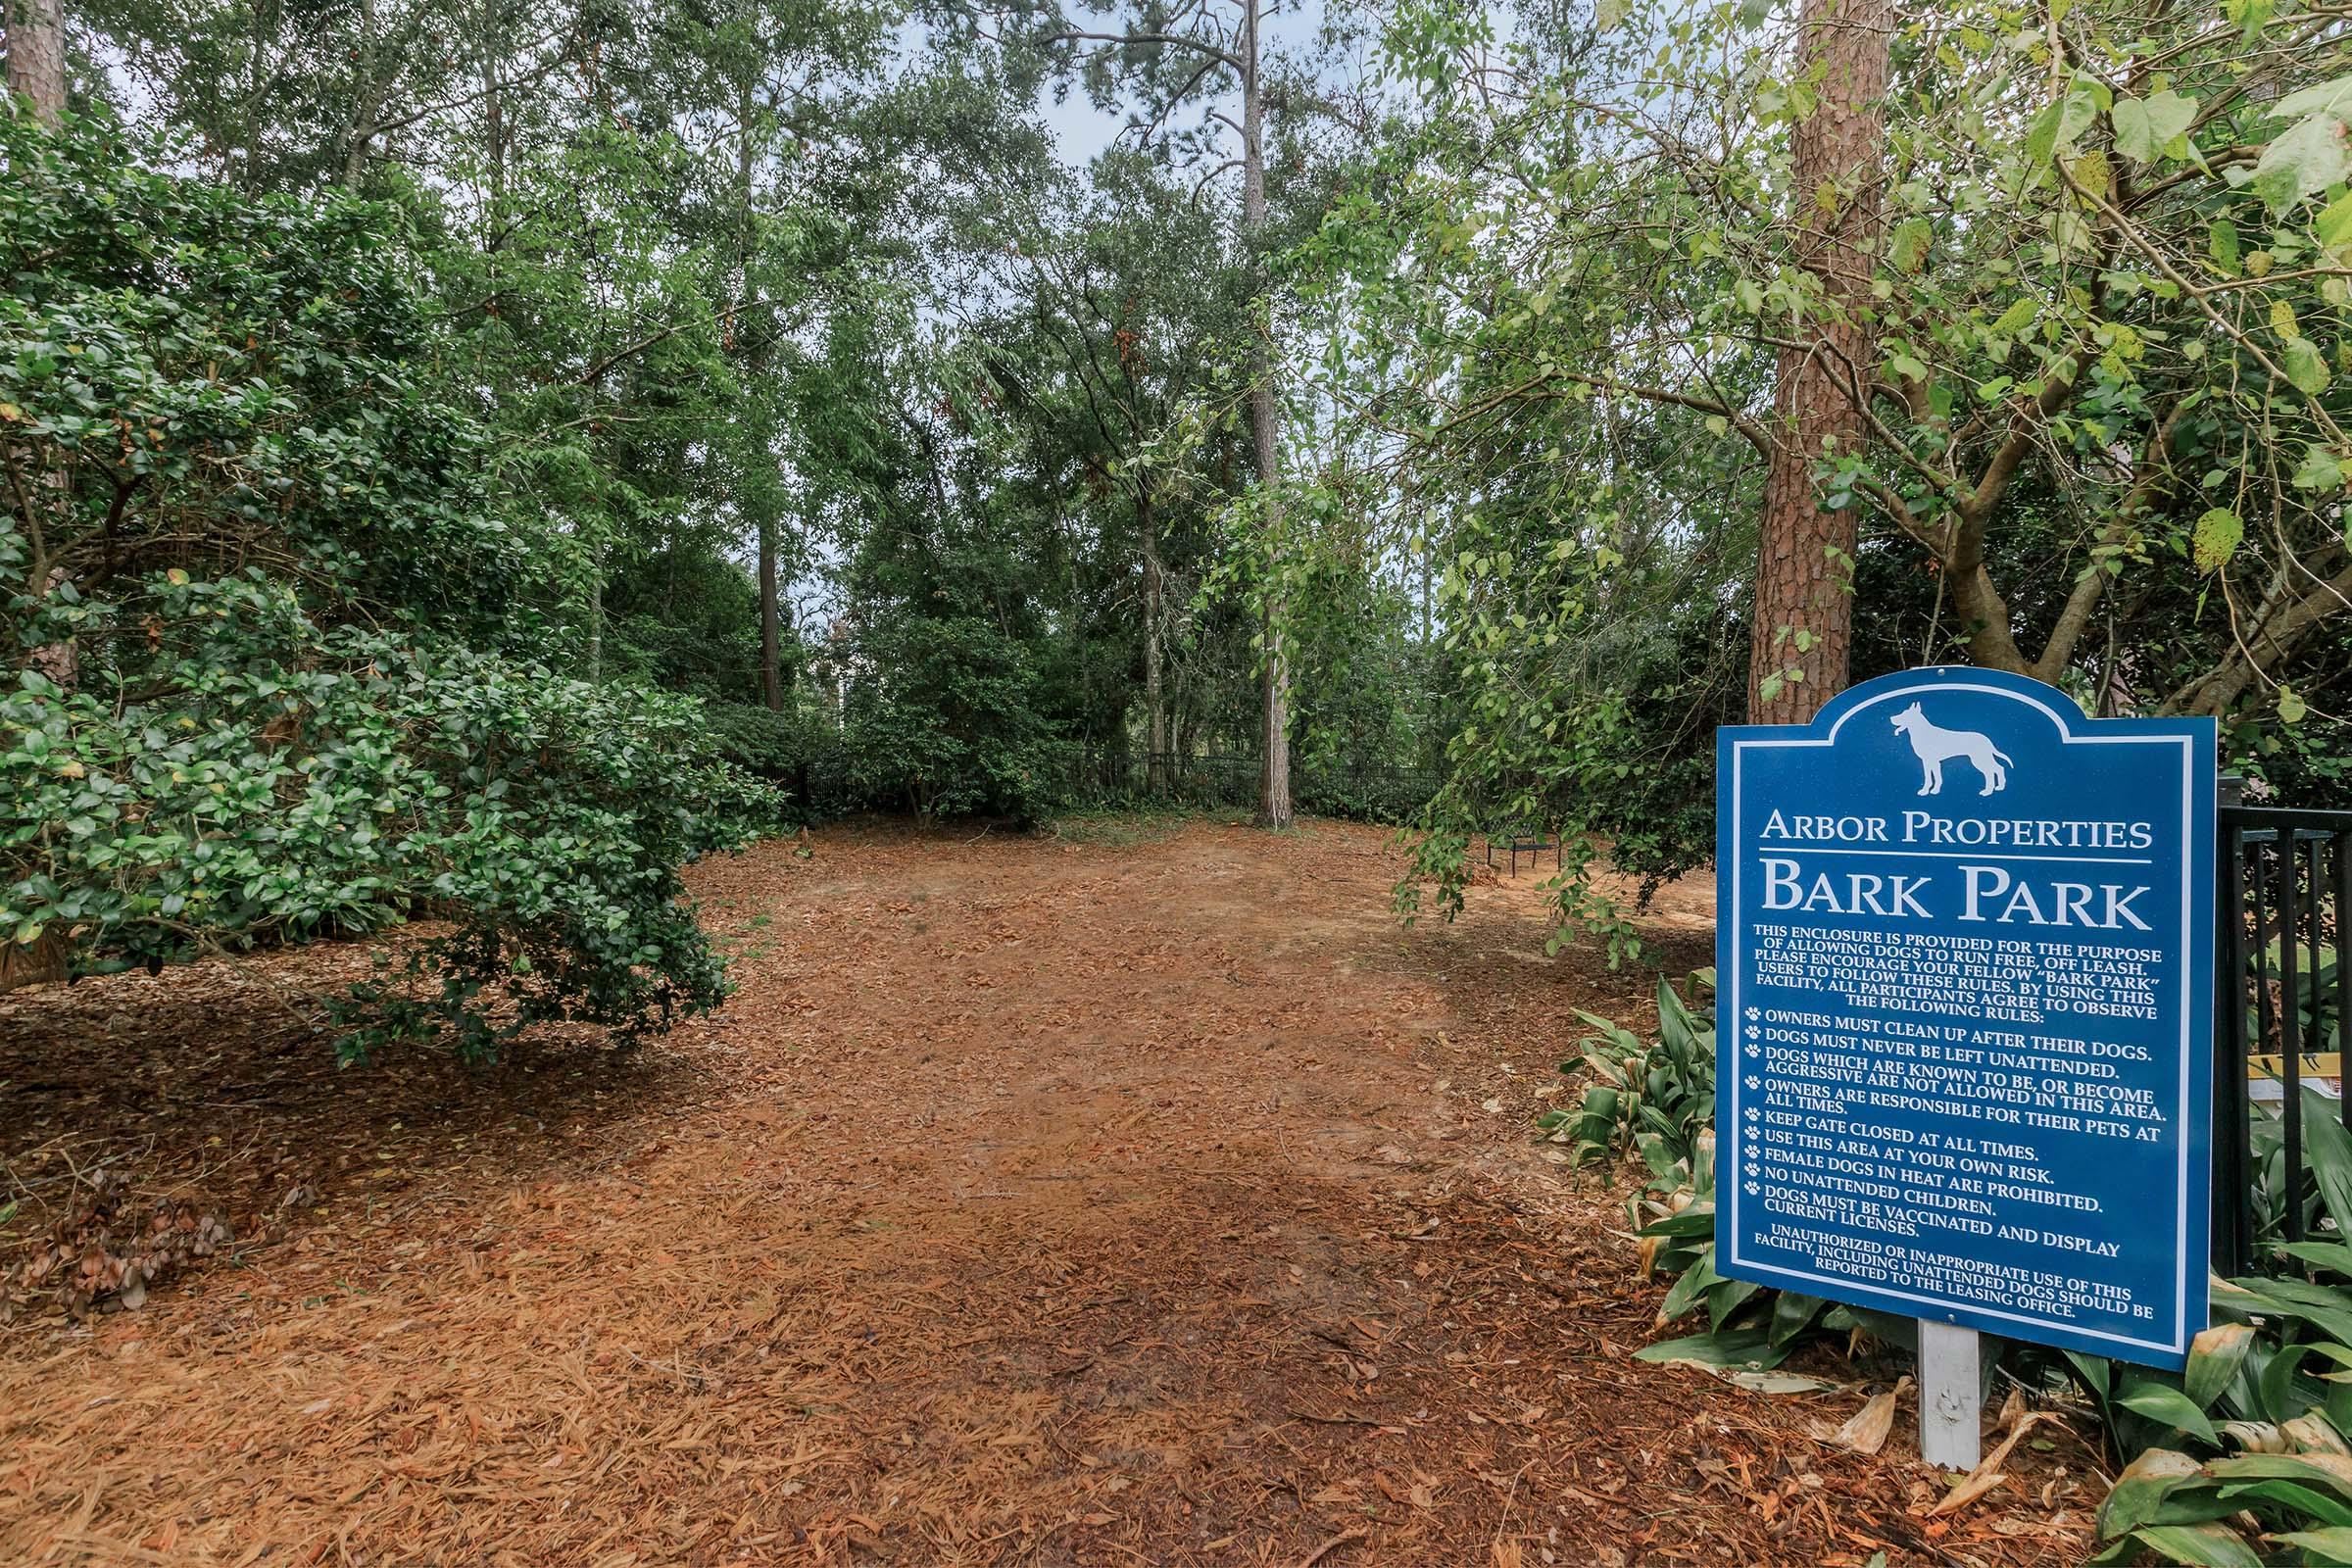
(1080, 130)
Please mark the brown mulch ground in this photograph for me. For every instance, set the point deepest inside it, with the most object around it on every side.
(1149, 1199)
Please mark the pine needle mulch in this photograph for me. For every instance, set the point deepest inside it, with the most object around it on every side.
(1148, 1200)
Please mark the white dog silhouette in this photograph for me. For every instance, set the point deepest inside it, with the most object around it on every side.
(1934, 747)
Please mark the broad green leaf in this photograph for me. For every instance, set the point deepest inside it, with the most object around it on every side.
(2209, 1546)
(2308, 157)
(1727, 1297)
(1740, 1348)
(2214, 1358)
(2304, 367)
(2220, 243)
(2333, 224)
(1907, 246)
(1695, 1283)
(2142, 1487)
(2041, 135)
(2326, 1307)
(2334, 1256)
(2332, 97)
(2146, 127)
(2162, 1402)
(2303, 1500)
(2320, 470)
(2095, 1371)
(1791, 1314)
(2332, 1545)
(2327, 1145)
(2017, 316)
(2330, 1470)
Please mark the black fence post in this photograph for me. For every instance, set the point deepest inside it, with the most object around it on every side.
(2233, 1197)
(2284, 885)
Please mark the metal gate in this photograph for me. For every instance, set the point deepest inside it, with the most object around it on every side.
(2282, 997)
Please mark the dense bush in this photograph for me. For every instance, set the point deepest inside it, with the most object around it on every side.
(951, 723)
(252, 575)
(798, 749)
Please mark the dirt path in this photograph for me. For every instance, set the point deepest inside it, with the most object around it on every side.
(1151, 1201)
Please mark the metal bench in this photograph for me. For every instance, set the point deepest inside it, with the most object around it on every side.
(1529, 842)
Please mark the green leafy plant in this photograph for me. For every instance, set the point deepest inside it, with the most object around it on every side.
(270, 675)
(1655, 1100)
(1652, 1097)
(951, 727)
(2250, 1438)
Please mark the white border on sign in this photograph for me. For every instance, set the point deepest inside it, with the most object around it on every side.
(2067, 737)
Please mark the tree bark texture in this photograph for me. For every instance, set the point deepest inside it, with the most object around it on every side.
(771, 631)
(1803, 600)
(36, 56)
(1274, 777)
(1155, 701)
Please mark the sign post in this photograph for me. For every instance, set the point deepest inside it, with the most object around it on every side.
(1965, 948)
(1952, 1396)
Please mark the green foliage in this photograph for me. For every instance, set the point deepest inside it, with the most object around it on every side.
(1652, 1097)
(193, 380)
(798, 750)
(951, 727)
(245, 557)
(2267, 1393)
(2106, 429)
(1658, 1099)
(289, 784)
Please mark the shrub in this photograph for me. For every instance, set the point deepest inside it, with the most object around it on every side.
(798, 749)
(251, 560)
(1655, 1098)
(2254, 1436)
(945, 720)
(286, 783)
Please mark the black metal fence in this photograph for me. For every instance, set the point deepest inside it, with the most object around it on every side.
(2283, 996)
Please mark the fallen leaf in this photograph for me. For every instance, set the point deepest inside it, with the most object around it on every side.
(1865, 1430)
(1988, 1474)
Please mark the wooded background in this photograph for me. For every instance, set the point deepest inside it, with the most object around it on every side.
(467, 459)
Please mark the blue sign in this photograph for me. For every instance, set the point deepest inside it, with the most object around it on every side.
(1964, 946)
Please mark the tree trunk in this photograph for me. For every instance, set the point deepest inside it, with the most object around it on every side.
(494, 109)
(740, 334)
(36, 73)
(771, 631)
(368, 101)
(37, 57)
(1804, 561)
(1274, 777)
(257, 78)
(1425, 593)
(1155, 701)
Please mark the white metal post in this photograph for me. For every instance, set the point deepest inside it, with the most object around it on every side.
(1951, 1397)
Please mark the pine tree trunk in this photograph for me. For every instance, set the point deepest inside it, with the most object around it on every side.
(771, 631)
(36, 73)
(1274, 777)
(37, 57)
(1155, 701)
(1803, 615)
(740, 334)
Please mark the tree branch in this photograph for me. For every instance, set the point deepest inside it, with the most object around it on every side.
(1130, 40)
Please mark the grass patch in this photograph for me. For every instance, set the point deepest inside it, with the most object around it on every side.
(1123, 827)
